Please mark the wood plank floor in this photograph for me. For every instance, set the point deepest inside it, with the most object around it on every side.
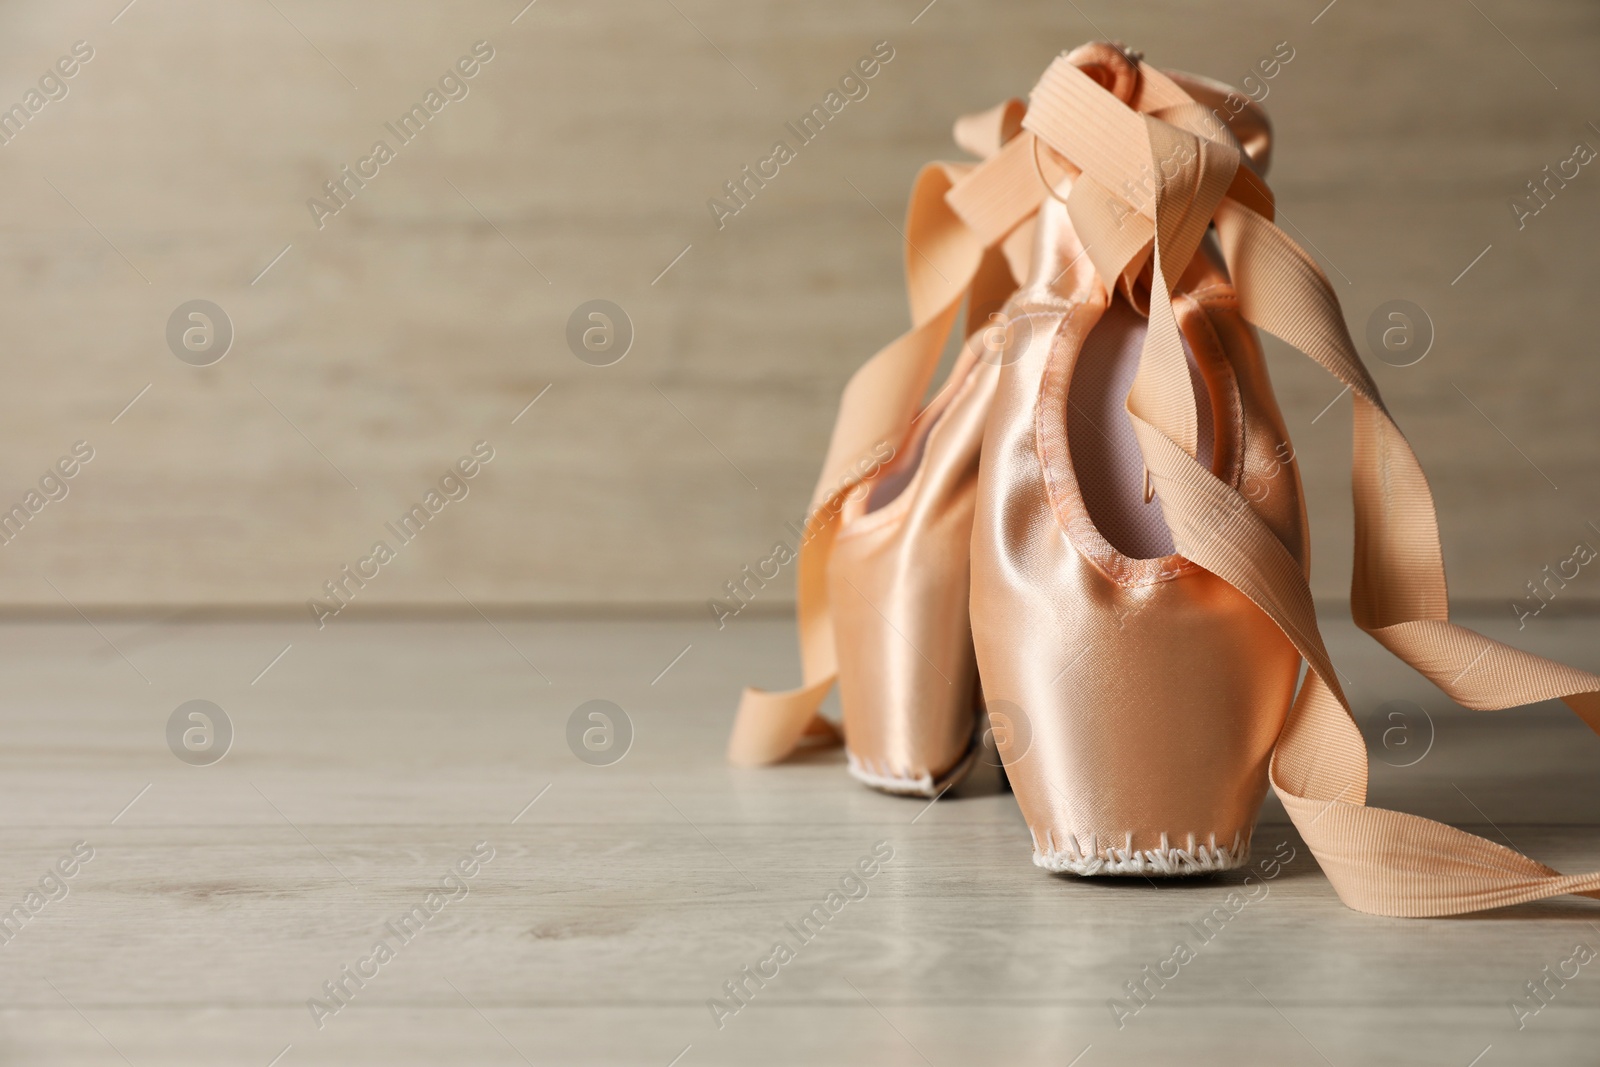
(372, 757)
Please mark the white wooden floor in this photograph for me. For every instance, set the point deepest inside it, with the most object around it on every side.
(371, 757)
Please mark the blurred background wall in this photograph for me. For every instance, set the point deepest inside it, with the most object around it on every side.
(373, 346)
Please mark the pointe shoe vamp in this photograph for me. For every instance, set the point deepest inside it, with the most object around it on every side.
(1147, 711)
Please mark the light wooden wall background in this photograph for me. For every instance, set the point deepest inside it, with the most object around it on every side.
(412, 325)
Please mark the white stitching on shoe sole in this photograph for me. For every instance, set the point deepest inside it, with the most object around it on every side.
(1165, 860)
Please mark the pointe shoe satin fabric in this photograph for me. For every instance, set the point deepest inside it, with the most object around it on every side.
(1144, 693)
(898, 583)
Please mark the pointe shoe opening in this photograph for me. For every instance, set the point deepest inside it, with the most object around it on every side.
(887, 487)
(897, 473)
(1100, 436)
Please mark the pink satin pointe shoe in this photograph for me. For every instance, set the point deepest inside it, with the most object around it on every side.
(897, 582)
(1145, 693)
(885, 569)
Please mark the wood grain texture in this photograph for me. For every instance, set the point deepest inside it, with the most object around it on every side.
(427, 313)
(368, 760)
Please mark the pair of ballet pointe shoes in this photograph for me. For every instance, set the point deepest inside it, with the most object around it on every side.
(1133, 696)
(1093, 537)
